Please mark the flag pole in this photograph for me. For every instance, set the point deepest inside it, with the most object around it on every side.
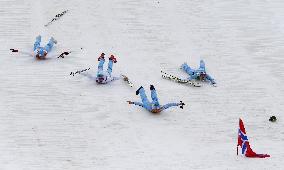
(237, 150)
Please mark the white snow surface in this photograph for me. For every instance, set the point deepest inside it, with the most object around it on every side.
(50, 120)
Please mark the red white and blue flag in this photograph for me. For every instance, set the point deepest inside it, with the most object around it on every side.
(244, 143)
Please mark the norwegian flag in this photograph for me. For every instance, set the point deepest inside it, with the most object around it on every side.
(244, 143)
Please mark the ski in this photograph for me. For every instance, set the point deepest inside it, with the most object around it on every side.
(65, 53)
(179, 80)
(126, 79)
(56, 18)
(79, 71)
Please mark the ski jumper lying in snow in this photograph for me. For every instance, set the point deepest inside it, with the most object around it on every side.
(153, 106)
(102, 76)
(198, 74)
(41, 52)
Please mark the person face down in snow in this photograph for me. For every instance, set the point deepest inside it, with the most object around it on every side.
(197, 74)
(154, 106)
(105, 77)
(41, 52)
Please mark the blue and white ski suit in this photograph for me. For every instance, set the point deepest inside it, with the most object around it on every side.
(196, 74)
(41, 50)
(153, 106)
(102, 76)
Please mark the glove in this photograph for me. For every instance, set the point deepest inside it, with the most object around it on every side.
(181, 104)
(130, 102)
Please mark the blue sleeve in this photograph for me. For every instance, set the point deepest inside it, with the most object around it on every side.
(170, 105)
(209, 78)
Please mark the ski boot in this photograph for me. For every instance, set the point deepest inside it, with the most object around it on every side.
(113, 58)
(101, 57)
(137, 91)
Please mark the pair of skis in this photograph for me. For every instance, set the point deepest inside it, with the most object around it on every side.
(165, 76)
(179, 80)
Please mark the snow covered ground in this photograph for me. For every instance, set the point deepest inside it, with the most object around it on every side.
(50, 120)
